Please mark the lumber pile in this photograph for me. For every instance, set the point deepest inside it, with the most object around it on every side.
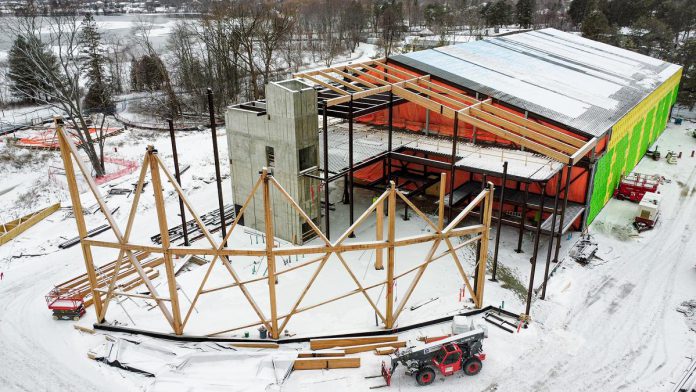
(323, 353)
(127, 278)
(321, 344)
(326, 363)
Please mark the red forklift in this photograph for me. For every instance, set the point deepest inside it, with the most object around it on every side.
(633, 186)
(463, 352)
(65, 304)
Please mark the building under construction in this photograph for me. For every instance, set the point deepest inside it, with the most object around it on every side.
(554, 117)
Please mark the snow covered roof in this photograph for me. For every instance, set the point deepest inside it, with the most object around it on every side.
(580, 83)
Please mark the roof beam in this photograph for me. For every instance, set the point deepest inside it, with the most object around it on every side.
(358, 95)
(526, 132)
(532, 145)
(451, 92)
(409, 75)
(324, 84)
(386, 75)
(353, 78)
(583, 150)
(431, 93)
(423, 101)
(367, 75)
(533, 125)
(341, 81)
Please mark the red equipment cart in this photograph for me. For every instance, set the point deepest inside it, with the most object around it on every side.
(65, 304)
(635, 185)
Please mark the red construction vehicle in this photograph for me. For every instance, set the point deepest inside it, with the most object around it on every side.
(633, 186)
(65, 304)
(459, 352)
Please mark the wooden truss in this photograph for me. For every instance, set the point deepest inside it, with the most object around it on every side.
(326, 252)
(355, 82)
(16, 227)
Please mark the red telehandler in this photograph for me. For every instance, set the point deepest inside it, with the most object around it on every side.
(447, 356)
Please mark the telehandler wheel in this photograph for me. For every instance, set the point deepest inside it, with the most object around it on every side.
(425, 376)
(472, 366)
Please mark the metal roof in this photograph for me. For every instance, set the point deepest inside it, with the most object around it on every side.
(580, 83)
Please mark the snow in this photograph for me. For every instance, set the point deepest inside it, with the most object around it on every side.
(610, 325)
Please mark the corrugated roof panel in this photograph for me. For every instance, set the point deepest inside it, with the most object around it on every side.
(583, 84)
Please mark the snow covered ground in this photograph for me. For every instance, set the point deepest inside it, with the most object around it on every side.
(611, 325)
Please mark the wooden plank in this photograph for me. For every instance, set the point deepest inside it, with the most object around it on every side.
(384, 350)
(351, 77)
(324, 84)
(449, 91)
(423, 101)
(326, 363)
(255, 345)
(321, 354)
(377, 71)
(319, 344)
(532, 145)
(582, 151)
(369, 347)
(18, 226)
(532, 125)
(342, 82)
(434, 94)
(367, 75)
(84, 329)
(526, 132)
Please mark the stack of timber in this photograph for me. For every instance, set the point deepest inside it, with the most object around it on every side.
(16, 227)
(210, 219)
(331, 353)
(127, 279)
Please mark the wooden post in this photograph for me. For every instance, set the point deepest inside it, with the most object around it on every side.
(164, 233)
(379, 236)
(270, 256)
(441, 210)
(485, 236)
(79, 218)
(391, 206)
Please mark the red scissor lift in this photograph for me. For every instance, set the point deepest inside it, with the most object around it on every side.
(65, 304)
(633, 186)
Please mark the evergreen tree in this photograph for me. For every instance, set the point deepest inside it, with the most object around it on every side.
(525, 13)
(578, 10)
(686, 56)
(497, 13)
(99, 93)
(26, 79)
(596, 26)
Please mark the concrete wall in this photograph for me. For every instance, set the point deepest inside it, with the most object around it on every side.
(289, 124)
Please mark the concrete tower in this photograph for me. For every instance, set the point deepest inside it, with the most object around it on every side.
(282, 134)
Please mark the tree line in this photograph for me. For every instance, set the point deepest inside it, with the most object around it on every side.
(236, 47)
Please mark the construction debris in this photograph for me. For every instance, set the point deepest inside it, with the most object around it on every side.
(584, 250)
(320, 354)
(499, 322)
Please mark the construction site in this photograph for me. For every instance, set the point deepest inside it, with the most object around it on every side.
(473, 210)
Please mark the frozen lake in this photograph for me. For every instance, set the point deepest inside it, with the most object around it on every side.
(116, 26)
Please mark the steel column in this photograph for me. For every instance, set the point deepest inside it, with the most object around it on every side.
(500, 221)
(350, 163)
(325, 136)
(211, 109)
(523, 217)
(390, 138)
(553, 230)
(536, 250)
(565, 205)
(455, 131)
(177, 175)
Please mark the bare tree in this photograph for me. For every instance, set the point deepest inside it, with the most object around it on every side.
(274, 29)
(141, 36)
(60, 85)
